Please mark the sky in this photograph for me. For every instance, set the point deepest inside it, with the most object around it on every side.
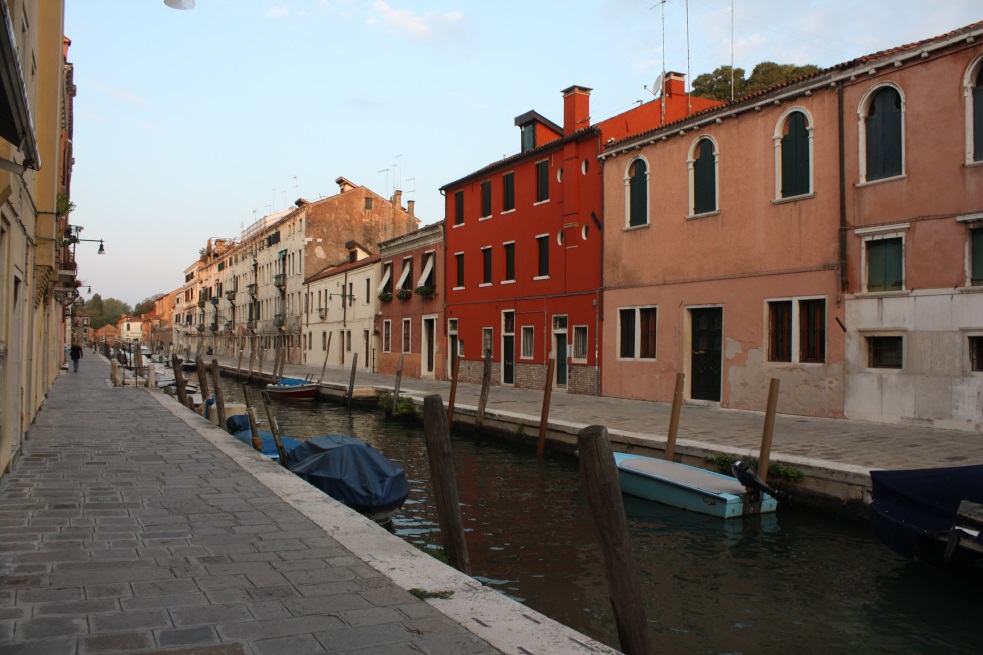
(194, 124)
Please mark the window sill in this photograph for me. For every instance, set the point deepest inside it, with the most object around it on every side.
(882, 294)
(974, 164)
(484, 218)
(507, 211)
(540, 202)
(507, 282)
(484, 284)
(632, 228)
(578, 360)
(458, 289)
(976, 289)
(782, 201)
(716, 212)
(883, 180)
(455, 225)
(541, 277)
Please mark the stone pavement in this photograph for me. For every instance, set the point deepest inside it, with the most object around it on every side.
(131, 525)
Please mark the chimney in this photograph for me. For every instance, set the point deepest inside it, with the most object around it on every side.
(410, 204)
(674, 84)
(398, 198)
(576, 109)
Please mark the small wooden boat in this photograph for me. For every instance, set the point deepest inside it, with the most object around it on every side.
(690, 488)
(353, 473)
(933, 515)
(292, 389)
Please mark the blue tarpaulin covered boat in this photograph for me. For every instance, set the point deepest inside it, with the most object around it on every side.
(352, 472)
(930, 514)
(238, 425)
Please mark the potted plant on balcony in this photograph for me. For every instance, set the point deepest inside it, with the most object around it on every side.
(404, 294)
(385, 296)
(424, 291)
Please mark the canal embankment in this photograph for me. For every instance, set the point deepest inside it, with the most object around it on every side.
(833, 456)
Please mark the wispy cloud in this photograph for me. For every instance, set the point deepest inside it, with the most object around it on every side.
(431, 27)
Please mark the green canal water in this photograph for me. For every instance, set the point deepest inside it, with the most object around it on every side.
(796, 581)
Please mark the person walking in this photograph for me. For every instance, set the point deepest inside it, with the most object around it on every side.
(76, 355)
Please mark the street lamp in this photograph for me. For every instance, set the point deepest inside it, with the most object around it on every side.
(102, 246)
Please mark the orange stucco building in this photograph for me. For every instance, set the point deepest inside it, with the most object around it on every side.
(824, 232)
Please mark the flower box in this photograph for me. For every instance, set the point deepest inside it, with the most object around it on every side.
(404, 294)
(425, 292)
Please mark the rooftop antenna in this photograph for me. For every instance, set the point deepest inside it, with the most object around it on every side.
(273, 206)
(658, 86)
(689, 103)
(296, 187)
(386, 171)
(400, 172)
(731, 50)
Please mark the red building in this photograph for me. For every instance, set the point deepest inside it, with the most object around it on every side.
(523, 246)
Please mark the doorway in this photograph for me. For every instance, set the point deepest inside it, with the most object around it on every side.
(429, 332)
(706, 353)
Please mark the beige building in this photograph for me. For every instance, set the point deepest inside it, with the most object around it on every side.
(35, 165)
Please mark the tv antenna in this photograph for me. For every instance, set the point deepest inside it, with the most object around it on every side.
(657, 86)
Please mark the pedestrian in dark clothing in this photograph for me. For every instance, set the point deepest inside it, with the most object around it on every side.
(76, 355)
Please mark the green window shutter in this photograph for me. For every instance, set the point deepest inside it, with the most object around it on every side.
(978, 118)
(542, 181)
(883, 135)
(638, 194)
(795, 157)
(976, 246)
(704, 179)
(884, 265)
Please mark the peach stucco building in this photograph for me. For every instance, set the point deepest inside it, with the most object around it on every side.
(824, 232)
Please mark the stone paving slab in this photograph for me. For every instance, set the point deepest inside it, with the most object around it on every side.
(131, 525)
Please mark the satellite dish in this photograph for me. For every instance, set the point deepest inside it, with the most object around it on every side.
(656, 89)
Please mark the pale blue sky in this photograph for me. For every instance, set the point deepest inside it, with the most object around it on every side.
(192, 124)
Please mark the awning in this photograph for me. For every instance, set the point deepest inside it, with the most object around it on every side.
(16, 124)
(426, 271)
(402, 278)
(388, 270)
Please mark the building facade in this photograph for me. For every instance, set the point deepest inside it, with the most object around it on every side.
(411, 293)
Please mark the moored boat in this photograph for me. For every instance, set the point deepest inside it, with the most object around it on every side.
(292, 388)
(690, 488)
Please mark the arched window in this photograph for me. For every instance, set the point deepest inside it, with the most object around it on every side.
(637, 193)
(703, 177)
(883, 134)
(794, 140)
(973, 87)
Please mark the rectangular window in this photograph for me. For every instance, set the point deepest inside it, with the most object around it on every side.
(543, 245)
(647, 320)
(885, 352)
(528, 335)
(508, 192)
(458, 208)
(508, 322)
(509, 261)
(368, 289)
(486, 199)
(324, 341)
(459, 265)
(976, 250)
(387, 336)
(580, 343)
(428, 277)
(406, 277)
(406, 335)
(976, 354)
(528, 136)
(780, 331)
(812, 331)
(627, 330)
(487, 335)
(486, 265)
(885, 264)
(348, 340)
(542, 180)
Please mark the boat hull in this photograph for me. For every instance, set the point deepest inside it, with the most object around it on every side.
(688, 487)
(295, 392)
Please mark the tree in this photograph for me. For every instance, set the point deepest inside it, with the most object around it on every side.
(144, 307)
(717, 85)
(103, 312)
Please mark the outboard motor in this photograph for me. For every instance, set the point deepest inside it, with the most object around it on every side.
(750, 480)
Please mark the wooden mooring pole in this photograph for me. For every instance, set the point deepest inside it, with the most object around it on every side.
(677, 403)
(351, 380)
(219, 395)
(252, 357)
(399, 379)
(444, 486)
(453, 395)
(251, 414)
(274, 427)
(479, 417)
(602, 494)
(241, 348)
(544, 416)
(202, 379)
(327, 351)
(764, 456)
(179, 383)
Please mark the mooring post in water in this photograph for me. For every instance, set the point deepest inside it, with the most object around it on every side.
(399, 379)
(202, 379)
(259, 371)
(274, 427)
(479, 418)
(444, 486)
(453, 394)
(252, 357)
(219, 395)
(327, 351)
(241, 348)
(544, 416)
(179, 383)
(351, 380)
(677, 403)
(764, 457)
(251, 415)
(602, 494)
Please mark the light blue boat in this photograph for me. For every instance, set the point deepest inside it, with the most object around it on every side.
(690, 488)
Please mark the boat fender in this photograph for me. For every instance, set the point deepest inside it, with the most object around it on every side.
(750, 480)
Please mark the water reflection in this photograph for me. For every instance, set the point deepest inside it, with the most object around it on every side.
(792, 581)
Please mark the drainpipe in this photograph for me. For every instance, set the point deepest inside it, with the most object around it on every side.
(842, 158)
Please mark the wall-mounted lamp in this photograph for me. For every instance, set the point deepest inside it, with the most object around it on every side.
(102, 246)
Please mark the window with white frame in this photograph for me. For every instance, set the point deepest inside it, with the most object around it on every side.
(387, 336)
(637, 193)
(885, 351)
(883, 258)
(543, 250)
(542, 180)
(486, 265)
(793, 154)
(579, 343)
(637, 332)
(881, 134)
(428, 276)
(528, 342)
(509, 261)
(486, 199)
(487, 340)
(797, 330)
(703, 176)
(406, 335)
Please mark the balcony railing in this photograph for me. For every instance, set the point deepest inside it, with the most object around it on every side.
(280, 280)
(201, 304)
(251, 289)
(214, 300)
(230, 296)
(322, 312)
(279, 320)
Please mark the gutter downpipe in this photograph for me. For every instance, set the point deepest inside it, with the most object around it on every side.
(840, 129)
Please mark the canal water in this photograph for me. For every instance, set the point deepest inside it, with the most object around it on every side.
(795, 581)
